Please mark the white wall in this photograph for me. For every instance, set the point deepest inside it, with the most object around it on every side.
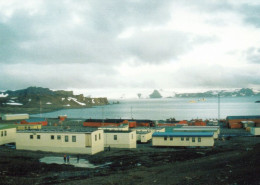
(15, 116)
(7, 135)
(255, 131)
(45, 143)
(124, 139)
(144, 137)
(176, 141)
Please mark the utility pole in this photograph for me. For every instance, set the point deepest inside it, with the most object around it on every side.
(218, 109)
(131, 112)
(103, 114)
(40, 108)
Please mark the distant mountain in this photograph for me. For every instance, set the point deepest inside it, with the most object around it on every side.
(223, 93)
(38, 97)
(155, 94)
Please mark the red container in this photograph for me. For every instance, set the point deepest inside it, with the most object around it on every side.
(235, 125)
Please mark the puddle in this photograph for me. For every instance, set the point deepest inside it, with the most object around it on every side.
(83, 163)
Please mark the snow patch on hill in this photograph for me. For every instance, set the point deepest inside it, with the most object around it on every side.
(13, 103)
(75, 100)
(2, 95)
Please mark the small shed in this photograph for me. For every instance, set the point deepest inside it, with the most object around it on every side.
(186, 139)
(7, 134)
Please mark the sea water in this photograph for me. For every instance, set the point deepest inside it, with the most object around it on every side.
(161, 109)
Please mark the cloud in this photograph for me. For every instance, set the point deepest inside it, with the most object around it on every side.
(253, 55)
(129, 44)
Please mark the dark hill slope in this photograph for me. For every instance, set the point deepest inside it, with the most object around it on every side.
(46, 99)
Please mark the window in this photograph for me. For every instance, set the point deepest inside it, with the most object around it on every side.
(2, 133)
(58, 137)
(38, 136)
(165, 138)
(171, 138)
(182, 138)
(193, 139)
(115, 137)
(95, 137)
(132, 136)
(31, 136)
(66, 138)
(5, 133)
(187, 138)
(199, 139)
(52, 137)
(99, 135)
(73, 138)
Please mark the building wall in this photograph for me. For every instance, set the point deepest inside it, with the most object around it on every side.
(123, 139)
(51, 142)
(144, 137)
(148, 129)
(28, 127)
(15, 116)
(119, 128)
(255, 131)
(177, 141)
(7, 136)
(97, 141)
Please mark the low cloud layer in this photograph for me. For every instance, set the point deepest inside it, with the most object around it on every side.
(90, 45)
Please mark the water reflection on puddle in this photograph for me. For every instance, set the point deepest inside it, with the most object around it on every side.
(83, 163)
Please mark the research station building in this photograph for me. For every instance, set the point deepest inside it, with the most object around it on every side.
(7, 134)
(120, 139)
(186, 139)
(199, 130)
(87, 141)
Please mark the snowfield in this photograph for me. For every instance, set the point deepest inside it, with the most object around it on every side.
(13, 103)
(75, 100)
(2, 95)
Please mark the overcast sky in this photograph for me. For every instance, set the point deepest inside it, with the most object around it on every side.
(119, 47)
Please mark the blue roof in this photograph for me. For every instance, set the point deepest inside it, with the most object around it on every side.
(35, 120)
(183, 134)
(243, 117)
(185, 129)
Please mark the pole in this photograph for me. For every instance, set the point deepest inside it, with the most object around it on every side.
(218, 109)
(40, 108)
(103, 113)
(131, 112)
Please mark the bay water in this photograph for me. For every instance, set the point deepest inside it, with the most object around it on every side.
(161, 109)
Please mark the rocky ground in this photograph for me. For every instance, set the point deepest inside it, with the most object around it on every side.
(234, 160)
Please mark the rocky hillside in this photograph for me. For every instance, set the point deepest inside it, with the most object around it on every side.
(223, 93)
(33, 97)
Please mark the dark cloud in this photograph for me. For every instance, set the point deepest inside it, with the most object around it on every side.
(253, 55)
(251, 14)
(77, 44)
(217, 76)
(68, 32)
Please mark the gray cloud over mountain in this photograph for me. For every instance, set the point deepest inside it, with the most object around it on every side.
(92, 44)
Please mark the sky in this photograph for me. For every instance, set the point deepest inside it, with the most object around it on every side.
(119, 48)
